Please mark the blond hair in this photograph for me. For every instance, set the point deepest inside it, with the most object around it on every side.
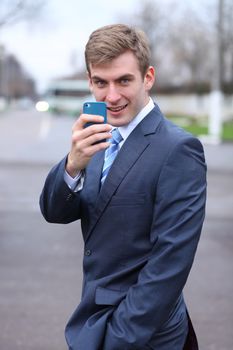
(108, 42)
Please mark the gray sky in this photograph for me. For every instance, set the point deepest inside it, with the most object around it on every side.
(54, 46)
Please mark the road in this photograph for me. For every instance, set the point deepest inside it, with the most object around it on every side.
(40, 263)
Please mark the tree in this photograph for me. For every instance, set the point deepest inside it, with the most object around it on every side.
(14, 80)
(183, 39)
(151, 19)
(12, 12)
(191, 44)
(19, 10)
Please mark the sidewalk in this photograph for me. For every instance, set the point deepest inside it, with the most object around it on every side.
(41, 263)
(34, 138)
(219, 158)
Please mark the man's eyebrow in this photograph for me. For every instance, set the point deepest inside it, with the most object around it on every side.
(125, 76)
(95, 77)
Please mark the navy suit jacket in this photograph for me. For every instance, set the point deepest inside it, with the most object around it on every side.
(141, 231)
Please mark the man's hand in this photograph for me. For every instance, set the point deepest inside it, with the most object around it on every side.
(84, 142)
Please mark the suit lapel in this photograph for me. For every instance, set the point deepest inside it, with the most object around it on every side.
(131, 150)
(125, 159)
(127, 156)
(94, 171)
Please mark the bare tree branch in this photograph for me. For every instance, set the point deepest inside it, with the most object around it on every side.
(183, 38)
(19, 10)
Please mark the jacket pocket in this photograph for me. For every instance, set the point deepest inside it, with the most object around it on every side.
(104, 296)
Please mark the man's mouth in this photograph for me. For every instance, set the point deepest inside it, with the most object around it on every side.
(117, 109)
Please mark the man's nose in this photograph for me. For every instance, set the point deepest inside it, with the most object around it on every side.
(113, 94)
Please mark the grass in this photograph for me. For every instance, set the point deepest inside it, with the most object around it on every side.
(200, 127)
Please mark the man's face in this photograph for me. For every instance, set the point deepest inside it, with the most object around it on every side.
(120, 84)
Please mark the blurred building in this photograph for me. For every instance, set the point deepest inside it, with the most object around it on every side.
(15, 82)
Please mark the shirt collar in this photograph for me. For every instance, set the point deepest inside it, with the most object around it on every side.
(127, 129)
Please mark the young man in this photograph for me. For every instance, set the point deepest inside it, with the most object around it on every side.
(141, 225)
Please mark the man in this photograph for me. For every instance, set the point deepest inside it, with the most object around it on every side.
(141, 225)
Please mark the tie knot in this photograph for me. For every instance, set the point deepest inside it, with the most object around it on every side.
(116, 136)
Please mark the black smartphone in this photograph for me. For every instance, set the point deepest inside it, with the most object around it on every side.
(96, 108)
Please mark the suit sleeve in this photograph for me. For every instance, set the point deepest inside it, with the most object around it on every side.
(177, 222)
(58, 203)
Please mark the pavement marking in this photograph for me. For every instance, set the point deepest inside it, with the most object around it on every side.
(45, 127)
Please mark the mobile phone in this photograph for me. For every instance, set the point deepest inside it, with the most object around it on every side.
(96, 108)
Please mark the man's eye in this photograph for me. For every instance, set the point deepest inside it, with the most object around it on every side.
(100, 83)
(124, 81)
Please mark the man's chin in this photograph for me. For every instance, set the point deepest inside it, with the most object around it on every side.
(117, 122)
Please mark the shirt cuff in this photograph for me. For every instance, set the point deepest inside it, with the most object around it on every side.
(74, 183)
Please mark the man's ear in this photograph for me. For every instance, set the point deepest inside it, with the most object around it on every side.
(149, 78)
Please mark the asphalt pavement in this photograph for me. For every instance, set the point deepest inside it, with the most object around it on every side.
(40, 263)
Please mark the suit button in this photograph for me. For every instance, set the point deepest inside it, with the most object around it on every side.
(88, 252)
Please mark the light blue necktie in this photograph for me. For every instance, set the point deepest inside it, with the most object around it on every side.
(111, 153)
